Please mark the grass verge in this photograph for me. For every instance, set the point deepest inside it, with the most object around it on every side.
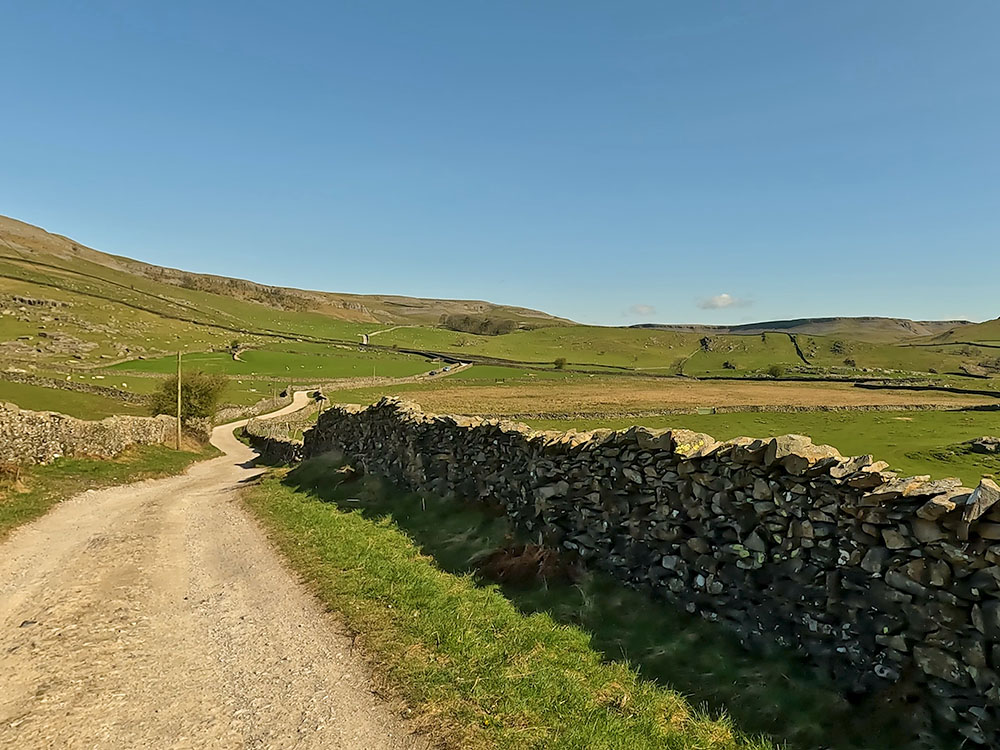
(551, 665)
(479, 672)
(37, 488)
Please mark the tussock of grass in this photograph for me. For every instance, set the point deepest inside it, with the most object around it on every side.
(477, 670)
(37, 488)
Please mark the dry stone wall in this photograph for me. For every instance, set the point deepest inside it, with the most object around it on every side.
(884, 581)
(39, 437)
(127, 397)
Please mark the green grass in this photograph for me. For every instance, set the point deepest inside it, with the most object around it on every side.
(73, 403)
(475, 668)
(746, 353)
(913, 442)
(293, 363)
(354, 543)
(44, 486)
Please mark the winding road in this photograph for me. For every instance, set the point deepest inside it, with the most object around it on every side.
(157, 615)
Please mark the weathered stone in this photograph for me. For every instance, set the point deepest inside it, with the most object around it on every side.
(796, 453)
(761, 490)
(934, 661)
(850, 466)
(692, 444)
(874, 560)
(926, 531)
(986, 444)
(984, 497)
(559, 489)
(895, 540)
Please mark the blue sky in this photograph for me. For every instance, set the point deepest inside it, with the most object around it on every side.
(612, 162)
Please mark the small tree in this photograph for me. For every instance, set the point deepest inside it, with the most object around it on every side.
(775, 371)
(560, 363)
(200, 394)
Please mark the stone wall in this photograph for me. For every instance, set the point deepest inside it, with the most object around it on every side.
(40, 436)
(879, 579)
(119, 394)
(275, 450)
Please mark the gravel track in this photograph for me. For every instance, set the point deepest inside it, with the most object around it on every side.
(157, 615)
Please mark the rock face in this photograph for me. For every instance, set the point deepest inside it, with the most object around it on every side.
(40, 436)
(871, 575)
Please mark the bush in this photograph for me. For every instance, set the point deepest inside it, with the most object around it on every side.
(483, 325)
(775, 371)
(200, 394)
(560, 363)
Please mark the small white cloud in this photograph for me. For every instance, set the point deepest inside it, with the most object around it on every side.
(722, 301)
(641, 310)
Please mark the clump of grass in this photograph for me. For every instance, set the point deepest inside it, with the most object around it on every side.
(480, 673)
(28, 492)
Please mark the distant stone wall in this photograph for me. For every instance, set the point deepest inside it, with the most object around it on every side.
(235, 413)
(39, 437)
(887, 582)
(271, 437)
(127, 397)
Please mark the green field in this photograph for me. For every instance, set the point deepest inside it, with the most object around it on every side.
(80, 405)
(293, 364)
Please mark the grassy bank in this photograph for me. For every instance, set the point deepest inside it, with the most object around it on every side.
(38, 488)
(478, 671)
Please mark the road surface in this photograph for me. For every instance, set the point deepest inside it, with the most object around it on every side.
(156, 615)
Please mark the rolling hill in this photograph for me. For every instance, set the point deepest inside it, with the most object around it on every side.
(869, 329)
(30, 247)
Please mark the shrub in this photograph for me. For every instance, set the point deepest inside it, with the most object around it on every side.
(775, 371)
(560, 363)
(483, 325)
(200, 394)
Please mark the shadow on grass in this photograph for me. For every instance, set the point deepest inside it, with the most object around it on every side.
(774, 694)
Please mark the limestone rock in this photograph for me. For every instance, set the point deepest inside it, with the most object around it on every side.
(984, 497)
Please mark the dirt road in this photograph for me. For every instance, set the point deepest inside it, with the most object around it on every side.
(156, 615)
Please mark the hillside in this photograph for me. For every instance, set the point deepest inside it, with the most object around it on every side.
(869, 329)
(987, 333)
(30, 247)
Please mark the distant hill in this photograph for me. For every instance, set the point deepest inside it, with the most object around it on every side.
(988, 332)
(870, 329)
(26, 245)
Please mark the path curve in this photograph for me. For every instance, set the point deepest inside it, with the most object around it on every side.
(157, 614)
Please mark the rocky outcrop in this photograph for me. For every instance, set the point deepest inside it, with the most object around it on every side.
(41, 436)
(872, 575)
(986, 445)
